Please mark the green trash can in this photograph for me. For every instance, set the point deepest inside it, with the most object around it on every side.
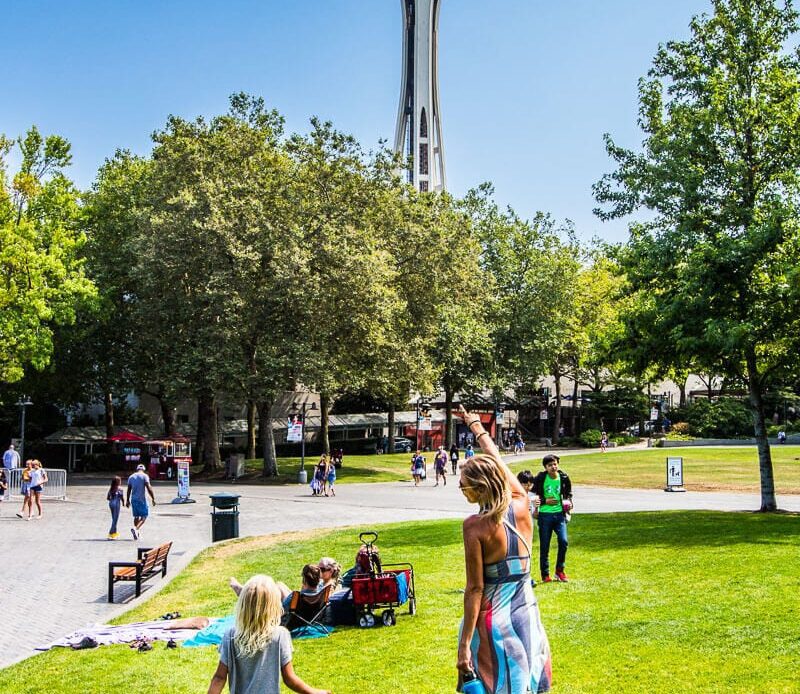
(224, 516)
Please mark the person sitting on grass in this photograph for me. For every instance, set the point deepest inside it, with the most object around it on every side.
(314, 577)
(257, 652)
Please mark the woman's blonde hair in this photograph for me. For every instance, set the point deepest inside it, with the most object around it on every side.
(489, 484)
(334, 566)
(258, 614)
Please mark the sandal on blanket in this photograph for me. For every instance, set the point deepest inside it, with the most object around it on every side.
(85, 642)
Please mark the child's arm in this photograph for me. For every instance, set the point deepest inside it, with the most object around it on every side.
(219, 679)
(291, 680)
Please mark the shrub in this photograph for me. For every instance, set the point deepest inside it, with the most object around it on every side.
(723, 418)
(680, 428)
(677, 436)
(591, 438)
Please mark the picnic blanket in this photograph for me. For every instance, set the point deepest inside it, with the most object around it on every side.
(158, 630)
(213, 633)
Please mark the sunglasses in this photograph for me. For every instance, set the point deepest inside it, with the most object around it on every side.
(464, 486)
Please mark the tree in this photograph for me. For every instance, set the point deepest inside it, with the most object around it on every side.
(43, 281)
(715, 271)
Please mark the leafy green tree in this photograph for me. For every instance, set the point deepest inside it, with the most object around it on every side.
(43, 281)
(715, 270)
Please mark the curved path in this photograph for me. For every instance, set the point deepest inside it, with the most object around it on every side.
(53, 570)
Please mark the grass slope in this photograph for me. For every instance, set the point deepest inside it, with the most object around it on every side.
(658, 602)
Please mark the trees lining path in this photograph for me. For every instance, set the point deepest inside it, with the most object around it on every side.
(53, 572)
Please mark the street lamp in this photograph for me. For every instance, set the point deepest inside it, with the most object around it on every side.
(302, 477)
(423, 407)
(22, 403)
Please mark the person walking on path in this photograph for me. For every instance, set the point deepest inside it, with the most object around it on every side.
(454, 457)
(331, 481)
(25, 490)
(320, 476)
(603, 442)
(136, 499)
(469, 452)
(10, 461)
(417, 467)
(440, 466)
(553, 490)
(501, 639)
(114, 498)
(38, 480)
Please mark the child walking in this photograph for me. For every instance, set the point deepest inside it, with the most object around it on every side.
(114, 498)
(257, 649)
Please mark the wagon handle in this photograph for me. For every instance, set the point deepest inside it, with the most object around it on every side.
(368, 538)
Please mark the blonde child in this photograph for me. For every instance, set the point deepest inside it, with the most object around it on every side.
(255, 651)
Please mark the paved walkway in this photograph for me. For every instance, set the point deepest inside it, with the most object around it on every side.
(53, 571)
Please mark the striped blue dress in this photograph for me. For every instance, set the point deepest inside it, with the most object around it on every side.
(510, 651)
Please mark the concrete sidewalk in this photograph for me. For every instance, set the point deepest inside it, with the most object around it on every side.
(54, 570)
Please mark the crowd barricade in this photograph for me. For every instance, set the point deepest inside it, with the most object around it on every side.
(56, 487)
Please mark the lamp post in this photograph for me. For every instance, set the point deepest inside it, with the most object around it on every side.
(422, 406)
(22, 403)
(302, 477)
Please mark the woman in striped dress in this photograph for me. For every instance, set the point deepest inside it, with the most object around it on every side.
(501, 638)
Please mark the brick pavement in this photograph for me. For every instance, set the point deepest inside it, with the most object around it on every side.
(53, 571)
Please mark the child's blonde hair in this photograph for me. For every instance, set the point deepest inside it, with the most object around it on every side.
(258, 614)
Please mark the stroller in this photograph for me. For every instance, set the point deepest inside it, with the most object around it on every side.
(376, 586)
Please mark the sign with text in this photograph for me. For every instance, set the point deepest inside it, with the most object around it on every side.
(425, 422)
(653, 414)
(543, 414)
(294, 429)
(183, 478)
(674, 472)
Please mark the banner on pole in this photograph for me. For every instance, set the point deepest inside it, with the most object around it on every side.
(294, 429)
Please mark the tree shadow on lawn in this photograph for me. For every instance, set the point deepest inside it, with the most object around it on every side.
(684, 529)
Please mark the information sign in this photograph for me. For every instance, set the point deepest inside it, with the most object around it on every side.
(183, 478)
(674, 472)
(294, 429)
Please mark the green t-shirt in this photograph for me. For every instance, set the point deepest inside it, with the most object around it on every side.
(552, 488)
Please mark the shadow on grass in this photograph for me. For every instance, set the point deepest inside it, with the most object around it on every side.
(686, 529)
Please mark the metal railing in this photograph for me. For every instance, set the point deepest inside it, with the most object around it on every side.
(55, 488)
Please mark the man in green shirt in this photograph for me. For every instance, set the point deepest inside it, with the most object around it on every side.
(553, 490)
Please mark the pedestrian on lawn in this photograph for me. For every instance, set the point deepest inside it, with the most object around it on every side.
(603, 441)
(38, 480)
(25, 490)
(469, 452)
(552, 506)
(114, 498)
(256, 653)
(501, 639)
(136, 499)
(454, 454)
(440, 466)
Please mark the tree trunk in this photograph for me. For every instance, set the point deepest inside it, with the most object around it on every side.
(754, 386)
(109, 415)
(267, 438)
(390, 424)
(167, 416)
(682, 390)
(200, 441)
(207, 414)
(557, 416)
(251, 430)
(574, 413)
(324, 406)
(448, 415)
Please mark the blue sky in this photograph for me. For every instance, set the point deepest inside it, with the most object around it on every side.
(527, 87)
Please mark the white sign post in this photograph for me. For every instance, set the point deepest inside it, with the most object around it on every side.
(674, 475)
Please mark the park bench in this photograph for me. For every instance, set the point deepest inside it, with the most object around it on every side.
(150, 561)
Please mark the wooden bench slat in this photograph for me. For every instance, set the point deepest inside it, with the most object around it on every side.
(150, 562)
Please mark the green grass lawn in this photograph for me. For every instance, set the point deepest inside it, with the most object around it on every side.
(658, 602)
(704, 469)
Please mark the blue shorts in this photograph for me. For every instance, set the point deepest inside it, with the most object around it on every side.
(139, 509)
(36, 488)
(25, 489)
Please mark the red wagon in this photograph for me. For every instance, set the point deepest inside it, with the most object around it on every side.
(386, 587)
